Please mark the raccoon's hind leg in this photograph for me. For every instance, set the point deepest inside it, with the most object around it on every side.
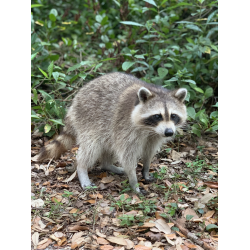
(86, 157)
(106, 161)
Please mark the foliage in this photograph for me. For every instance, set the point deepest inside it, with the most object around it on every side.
(170, 43)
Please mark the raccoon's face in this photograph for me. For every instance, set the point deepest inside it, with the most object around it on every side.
(160, 112)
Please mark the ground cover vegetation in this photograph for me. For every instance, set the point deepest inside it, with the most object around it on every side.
(171, 43)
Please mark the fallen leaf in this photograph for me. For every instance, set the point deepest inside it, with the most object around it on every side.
(107, 179)
(59, 234)
(140, 247)
(183, 247)
(157, 215)
(94, 196)
(91, 201)
(35, 239)
(130, 244)
(181, 234)
(48, 219)
(77, 228)
(104, 221)
(119, 241)
(76, 236)
(100, 234)
(56, 198)
(190, 211)
(209, 214)
(107, 210)
(39, 203)
(77, 243)
(175, 155)
(104, 174)
(211, 184)
(107, 247)
(206, 198)
(148, 224)
(45, 244)
(189, 244)
(102, 241)
(73, 211)
(162, 226)
(170, 236)
(70, 178)
(154, 237)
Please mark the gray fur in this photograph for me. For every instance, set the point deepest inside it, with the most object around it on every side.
(106, 119)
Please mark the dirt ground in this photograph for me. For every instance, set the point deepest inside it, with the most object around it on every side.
(179, 211)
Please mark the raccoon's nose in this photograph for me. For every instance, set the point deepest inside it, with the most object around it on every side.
(169, 132)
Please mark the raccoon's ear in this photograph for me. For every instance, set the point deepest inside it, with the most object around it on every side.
(143, 94)
(181, 94)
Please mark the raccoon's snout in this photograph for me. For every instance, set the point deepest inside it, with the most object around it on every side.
(169, 132)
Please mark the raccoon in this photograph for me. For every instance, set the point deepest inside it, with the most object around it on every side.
(118, 117)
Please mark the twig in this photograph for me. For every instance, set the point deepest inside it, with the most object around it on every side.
(190, 235)
(47, 169)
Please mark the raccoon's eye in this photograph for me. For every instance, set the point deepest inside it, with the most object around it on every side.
(157, 117)
(173, 116)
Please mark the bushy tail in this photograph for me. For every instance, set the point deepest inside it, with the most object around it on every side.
(57, 147)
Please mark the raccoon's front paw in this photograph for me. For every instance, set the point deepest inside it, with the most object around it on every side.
(84, 187)
(143, 192)
(149, 179)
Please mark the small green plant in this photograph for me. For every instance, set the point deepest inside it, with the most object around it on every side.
(127, 220)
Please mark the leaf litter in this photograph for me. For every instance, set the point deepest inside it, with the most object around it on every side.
(111, 217)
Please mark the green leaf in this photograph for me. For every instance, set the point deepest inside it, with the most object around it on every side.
(209, 18)
(33, 56)
(214, 114)
(162, 72)
(193, 27)
(105, 38)
(127, 65)
(196, 88)
(190, 81)
(151, 2)
(36, 5)
(139, 56)
(211, 226)
(56, 75)
(98, 18)
(78, 65)
(132, 23)
(53, 14)
(98, 66)
(189, 217)
(216, 105)
(178, 5)
(47, 128)
(50, 68)
(191, 112)
(57, 122)
(196, 131)
(214, 47)
(209, 92)
(35, 96)
(35, 116)
(44, 73)
(117, 3)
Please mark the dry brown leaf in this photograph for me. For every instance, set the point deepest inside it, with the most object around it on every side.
(181, 234)
(130, 244)
(209, 214)
(76, 236)
(77, 228)
(175, 155)
(162, 226)
(140, 238)
(183, 247)
(189, 244)
(107, 179)
(157, 215)
(77, 243)
(59, 234)
(170, 236)
(104, 174)
(45, 244)
(70, 178)
(119, 241)
(62, 241)
(102, 241)
(154, 237)
(107, 247)
(148, 224)
(211, 184)
(190, 211)
(100, 234)
(91, 201)
(56, 198)
(140, 247)
(48, 219)
(35, 239)
(171, 224)
(94, 196)
(73, 211)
